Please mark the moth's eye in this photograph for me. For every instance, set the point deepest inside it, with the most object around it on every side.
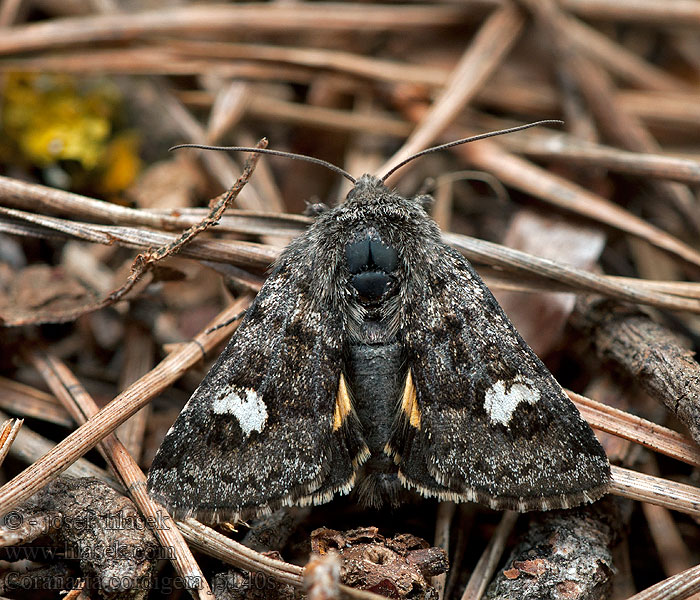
(357, 255)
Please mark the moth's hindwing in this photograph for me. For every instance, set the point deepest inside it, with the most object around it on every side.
(270, 425)
(485, 420)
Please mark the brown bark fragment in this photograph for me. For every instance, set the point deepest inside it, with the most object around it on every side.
(563, 555)
(236, 584)
(651, 354)
(94, 524)
(399, 567)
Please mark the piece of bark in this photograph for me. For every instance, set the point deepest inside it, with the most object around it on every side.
(236, 584)
(652, 355)
(400, 567)
(19, 583)
(95, 524)
(564, 555)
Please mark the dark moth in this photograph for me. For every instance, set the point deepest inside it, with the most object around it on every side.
(375, 359)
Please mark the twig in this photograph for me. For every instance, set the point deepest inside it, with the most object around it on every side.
(127, 403)
(139, 353)
(662, 492)
(211, 18)
(638, 430)
(483, 55)
(27, 401)
(30, 447)
(8, 433)
(678, 587)
(486, 567)
(445, 513)
(81, 406)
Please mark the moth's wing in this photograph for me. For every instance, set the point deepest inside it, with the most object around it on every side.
(270, 425)
(484, 419)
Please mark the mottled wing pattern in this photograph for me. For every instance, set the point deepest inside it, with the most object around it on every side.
(263, 429)
(488, 422)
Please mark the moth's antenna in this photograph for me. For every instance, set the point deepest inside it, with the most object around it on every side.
(311, 159)
(466, 141)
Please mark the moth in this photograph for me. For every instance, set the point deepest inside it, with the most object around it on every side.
(375, 359)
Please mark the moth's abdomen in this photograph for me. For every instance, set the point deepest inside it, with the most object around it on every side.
(376, 378)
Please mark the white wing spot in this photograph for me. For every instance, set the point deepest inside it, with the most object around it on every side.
(501, 404)
(244, 404)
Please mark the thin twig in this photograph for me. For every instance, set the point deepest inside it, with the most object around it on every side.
(486, 567)
(8, 433)
(136, 396)
(482, 56)
(81, 406)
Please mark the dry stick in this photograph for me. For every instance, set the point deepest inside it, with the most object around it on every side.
(49, 200)
(240, 252)
(219, 546)
(669, 295)
(564, 148)
(636, 429)
(490, 45)
(30, 447)
(650, 353)
(210, 18)
(678, 12)
(526, 282)
(348, 63)
(81, 406)
(27, 401)
(445, 513)
(87, 436)
(139, 351)
(678, 587)
(46, 200)
(488, 562)
(496, 254)
(10, 429)
(523, 175)
(662, 492)
(152, 61)
(674, 555)
(274, 109)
